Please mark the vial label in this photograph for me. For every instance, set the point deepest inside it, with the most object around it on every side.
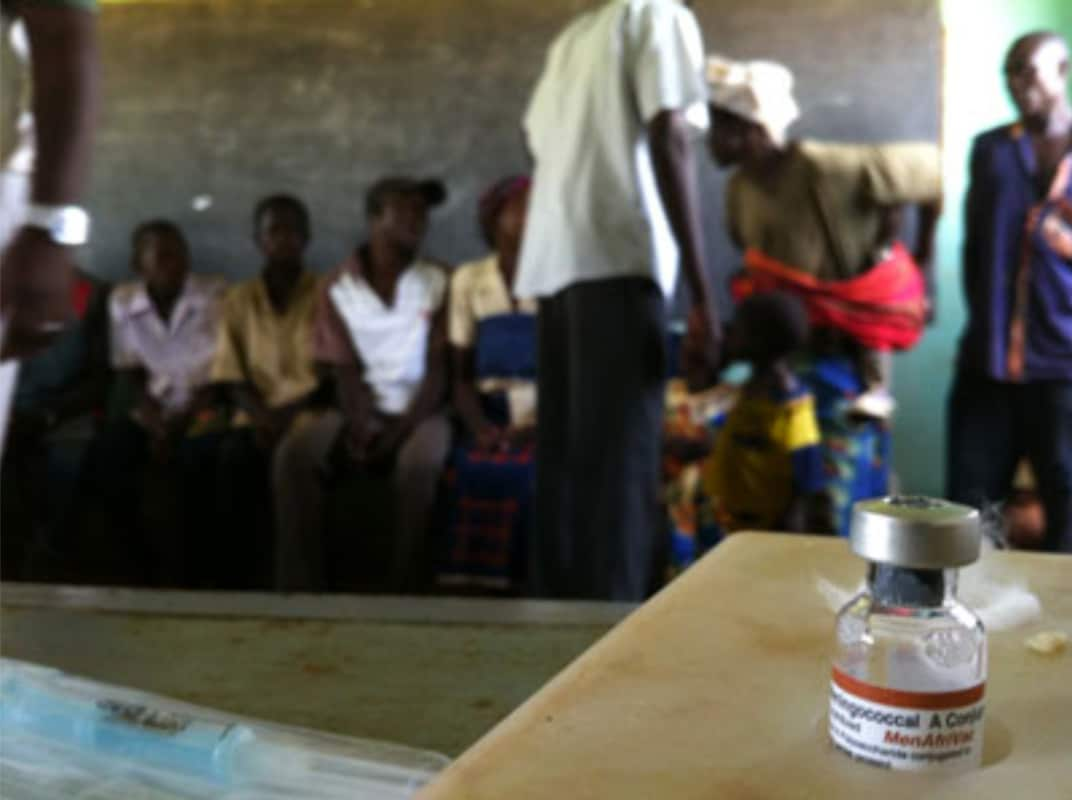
(919, 731)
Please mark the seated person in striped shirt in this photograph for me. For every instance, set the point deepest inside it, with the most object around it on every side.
(380, 331)
(162, 342)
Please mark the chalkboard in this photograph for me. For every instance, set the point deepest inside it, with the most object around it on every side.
(211, 104)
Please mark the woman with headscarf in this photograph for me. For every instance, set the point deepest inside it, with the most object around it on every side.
(492, 338)
(820, 220)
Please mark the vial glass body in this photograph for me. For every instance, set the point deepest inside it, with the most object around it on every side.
(909, 673)
(908, 631)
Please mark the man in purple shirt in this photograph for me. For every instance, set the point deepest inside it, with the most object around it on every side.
(1012, 396)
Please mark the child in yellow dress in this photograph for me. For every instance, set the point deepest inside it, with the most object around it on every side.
(766, 471)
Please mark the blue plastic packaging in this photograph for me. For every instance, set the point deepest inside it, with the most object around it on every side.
(58, 732)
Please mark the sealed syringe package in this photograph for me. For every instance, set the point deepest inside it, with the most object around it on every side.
(62, 737)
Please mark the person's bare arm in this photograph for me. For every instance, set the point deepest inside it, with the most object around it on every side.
(808, 513)
(145, 408)
(467, 399)
(246, 397)
(929, 213)
(429, 395)
(897, 175)
(37, 272)
(672, 157)
(202, 400)
(675, 175)
(358, 407)
(63, 48)
(796, 515)
(267, 425)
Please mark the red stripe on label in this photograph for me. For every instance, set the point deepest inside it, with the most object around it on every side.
(930, 701)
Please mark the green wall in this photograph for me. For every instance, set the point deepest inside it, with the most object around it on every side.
(977, 33)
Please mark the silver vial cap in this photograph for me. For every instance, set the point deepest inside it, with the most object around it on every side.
(916, 532)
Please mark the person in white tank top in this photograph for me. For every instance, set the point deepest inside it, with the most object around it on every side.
(379, 331)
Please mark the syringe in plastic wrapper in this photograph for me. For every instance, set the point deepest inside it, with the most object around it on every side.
(206, 754)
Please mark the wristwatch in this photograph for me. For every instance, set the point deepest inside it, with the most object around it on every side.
(65, 225)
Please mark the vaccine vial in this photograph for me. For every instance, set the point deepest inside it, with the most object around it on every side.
(909, 668)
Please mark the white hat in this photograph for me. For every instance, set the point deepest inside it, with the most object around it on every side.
(760, 91)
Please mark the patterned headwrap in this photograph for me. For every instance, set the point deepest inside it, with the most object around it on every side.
(494, 200)
(760, 91)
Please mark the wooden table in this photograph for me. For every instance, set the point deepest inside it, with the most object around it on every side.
(432, 673)
(718, 687)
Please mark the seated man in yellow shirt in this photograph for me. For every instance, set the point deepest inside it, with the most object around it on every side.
(264, 361)
(766, 472)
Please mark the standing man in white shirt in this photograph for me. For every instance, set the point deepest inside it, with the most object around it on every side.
(613, 212)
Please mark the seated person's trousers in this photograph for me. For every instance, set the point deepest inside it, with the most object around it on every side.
(300, 470)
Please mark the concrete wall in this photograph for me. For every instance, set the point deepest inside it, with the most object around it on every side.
(223, 101)
(235, 98)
